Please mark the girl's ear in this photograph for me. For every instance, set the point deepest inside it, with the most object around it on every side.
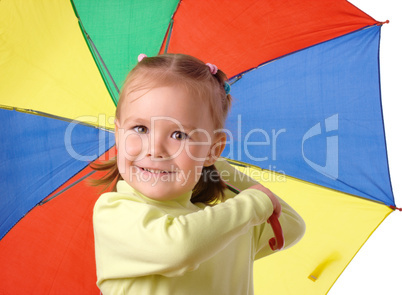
(216, 149)
(116, 132)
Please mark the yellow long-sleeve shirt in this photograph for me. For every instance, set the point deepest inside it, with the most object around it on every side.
(145, 246)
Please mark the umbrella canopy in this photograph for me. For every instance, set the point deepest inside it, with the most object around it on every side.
(306, 121)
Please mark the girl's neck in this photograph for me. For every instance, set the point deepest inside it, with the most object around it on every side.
(183, 200)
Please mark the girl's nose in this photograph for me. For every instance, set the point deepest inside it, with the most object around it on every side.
(157, 147)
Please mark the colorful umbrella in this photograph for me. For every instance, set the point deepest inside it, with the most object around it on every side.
(306, 121)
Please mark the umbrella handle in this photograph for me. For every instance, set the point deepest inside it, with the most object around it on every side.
(278, 241)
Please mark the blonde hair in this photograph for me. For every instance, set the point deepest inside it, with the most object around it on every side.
(193, 74)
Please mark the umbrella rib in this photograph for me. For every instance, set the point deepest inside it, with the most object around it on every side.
(237, 77)
(96, 55)
(169, 30)
(66, 188)
(47, 115)
(169, 34)
(245, 165)
(101, 60)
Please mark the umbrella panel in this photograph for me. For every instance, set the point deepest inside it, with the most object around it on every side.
(46, 65)
(316, 115)
(40, 154)
(240, 35)
(337, 224)
(52, 247)
(140, 28)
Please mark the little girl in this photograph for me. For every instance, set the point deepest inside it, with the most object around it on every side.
(170, 227)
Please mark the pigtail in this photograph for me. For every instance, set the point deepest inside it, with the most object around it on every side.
(112, 176)
(209, 188)
(225, 94)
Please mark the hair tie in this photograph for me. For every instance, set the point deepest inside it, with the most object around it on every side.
(227, 87)
(141, 57)
(212, 68)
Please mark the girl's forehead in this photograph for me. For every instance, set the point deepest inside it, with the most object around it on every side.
(138, 85)
(170, 103)
(136, 90)
(162, 100)
(148, 79)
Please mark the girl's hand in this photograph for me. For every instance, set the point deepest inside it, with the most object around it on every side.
(277, 206)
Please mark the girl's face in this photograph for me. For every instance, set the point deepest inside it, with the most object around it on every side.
(164, 137)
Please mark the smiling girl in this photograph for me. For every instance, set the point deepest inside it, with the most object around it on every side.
(170, 227)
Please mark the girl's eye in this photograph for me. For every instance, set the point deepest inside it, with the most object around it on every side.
(180, 135)
(141, 129)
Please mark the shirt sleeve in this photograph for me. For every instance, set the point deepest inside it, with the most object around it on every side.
(134, 239)
(292, 223)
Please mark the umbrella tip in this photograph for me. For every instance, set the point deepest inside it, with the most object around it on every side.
(395, 208)
(381, 23)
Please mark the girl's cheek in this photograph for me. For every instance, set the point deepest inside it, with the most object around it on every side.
(131, 146)
(197, 151)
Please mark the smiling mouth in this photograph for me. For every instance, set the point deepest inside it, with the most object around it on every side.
(156, 171)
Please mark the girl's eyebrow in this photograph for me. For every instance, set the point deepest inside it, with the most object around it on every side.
(139, 120)
(136, 120)
(185, 127)
(189, 128)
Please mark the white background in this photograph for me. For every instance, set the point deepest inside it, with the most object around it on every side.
(377, 267)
